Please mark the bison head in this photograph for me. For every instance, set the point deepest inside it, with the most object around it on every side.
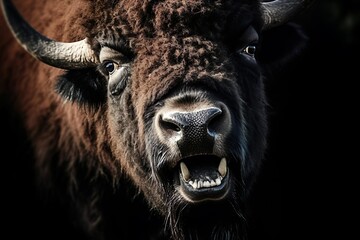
(183, 97)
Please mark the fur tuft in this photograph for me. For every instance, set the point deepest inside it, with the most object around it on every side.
(85, 86)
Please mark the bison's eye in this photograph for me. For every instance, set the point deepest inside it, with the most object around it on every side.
(250, 50)
(110, 67)
(245, 45)
(111, 61)
(119, 79)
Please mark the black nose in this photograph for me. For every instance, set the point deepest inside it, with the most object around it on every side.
(193, 131)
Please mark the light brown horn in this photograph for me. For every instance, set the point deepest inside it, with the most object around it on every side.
(73, 55)
(279, 11)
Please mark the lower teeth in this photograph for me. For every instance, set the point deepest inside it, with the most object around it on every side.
(197, 184)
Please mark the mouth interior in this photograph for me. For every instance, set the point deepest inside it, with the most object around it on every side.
(204, 171)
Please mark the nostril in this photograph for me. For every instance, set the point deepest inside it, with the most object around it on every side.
(169, 125)
(214, 123)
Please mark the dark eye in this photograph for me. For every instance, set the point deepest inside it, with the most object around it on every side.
(250, 50)
(110, 67)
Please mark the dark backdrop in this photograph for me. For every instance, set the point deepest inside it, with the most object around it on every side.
(311, 161)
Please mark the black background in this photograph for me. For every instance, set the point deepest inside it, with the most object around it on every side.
(308, 180)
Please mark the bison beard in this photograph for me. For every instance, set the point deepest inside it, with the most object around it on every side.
(209, 221)
(164, 123)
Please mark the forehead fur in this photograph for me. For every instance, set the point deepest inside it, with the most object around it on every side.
(172, 39)
(164, 17)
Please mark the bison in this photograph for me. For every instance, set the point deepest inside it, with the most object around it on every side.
(145, 119)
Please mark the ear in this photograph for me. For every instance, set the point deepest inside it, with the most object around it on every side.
(280, 45)
(85, 86)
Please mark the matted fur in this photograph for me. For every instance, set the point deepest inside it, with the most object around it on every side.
(96, 153)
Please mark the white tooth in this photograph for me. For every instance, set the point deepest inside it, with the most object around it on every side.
(184, 171)
(200, 184)
(212, 183)
(191, 183)
(195, 186)
(206, 184)
(222, 167)
(217, 181)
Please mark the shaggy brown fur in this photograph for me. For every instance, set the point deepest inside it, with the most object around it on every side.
(97, 158)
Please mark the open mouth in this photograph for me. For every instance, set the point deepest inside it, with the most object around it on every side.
(203, 177)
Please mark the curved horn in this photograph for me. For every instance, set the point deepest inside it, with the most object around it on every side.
(279, 11)
(73, 55)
